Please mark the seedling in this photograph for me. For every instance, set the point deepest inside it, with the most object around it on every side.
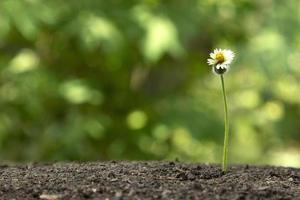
(220, 61)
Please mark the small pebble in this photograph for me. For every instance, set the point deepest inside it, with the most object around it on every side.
(49, 196)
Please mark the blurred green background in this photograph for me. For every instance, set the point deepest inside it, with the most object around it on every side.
(100, 80)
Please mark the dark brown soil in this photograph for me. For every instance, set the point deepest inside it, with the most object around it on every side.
(146, 180)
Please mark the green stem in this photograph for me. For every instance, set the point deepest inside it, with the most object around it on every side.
(225, 148)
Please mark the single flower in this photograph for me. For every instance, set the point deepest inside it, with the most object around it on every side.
(220, 60)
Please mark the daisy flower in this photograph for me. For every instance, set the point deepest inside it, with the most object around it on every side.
(220, 60)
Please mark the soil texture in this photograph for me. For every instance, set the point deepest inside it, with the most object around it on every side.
(118, 180)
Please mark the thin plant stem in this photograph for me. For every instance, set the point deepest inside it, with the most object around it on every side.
(226, 122)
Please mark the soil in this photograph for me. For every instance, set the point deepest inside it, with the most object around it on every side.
(146, 180)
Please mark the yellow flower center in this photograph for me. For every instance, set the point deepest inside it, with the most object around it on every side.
(220, 58)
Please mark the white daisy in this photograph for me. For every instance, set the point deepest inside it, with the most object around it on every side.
(220, 60)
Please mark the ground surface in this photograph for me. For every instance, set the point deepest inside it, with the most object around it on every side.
(146, 180)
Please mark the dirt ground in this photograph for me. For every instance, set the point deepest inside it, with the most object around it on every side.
(146, 180)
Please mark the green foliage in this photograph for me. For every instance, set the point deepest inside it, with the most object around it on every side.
(87, 80)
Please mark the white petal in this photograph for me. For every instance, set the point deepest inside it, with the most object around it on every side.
(228, 55)
(213, 55)
(211, 61)
(222, 67)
